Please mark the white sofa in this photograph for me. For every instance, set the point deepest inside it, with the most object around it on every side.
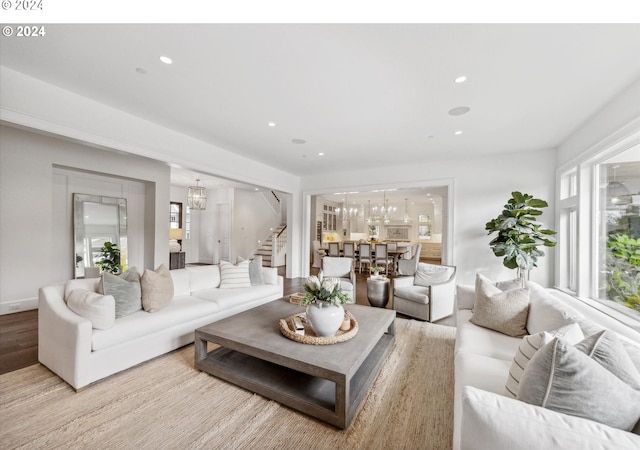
(485, 418)
(80, 354)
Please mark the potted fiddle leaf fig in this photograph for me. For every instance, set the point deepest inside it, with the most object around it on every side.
(109, 259)
(520, 234)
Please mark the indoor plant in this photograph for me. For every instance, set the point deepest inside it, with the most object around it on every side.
(324, 299)
(520, 234)
(109, 259)
(375, 271)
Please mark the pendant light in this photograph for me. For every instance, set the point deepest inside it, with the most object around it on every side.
(197, 197)
(406, 218)
(385, 217)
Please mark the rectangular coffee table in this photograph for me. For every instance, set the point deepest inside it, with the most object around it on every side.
(328, 382)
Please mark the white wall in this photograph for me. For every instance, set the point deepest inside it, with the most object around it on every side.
(252, 220)
(34, 238)
(480, 187)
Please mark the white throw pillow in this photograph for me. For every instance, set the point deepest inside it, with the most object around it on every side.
(234, 276)
(430, 274)
(99, 309)
(529, 345)
(87, 284)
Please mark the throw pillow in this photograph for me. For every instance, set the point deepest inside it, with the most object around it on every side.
(255, 270)
(505, 312)
(125, 289)
(606, 349)
(234, 275)
(430, 274)
(99, 309)
(562, 378)
(529, 345)
(157, 289)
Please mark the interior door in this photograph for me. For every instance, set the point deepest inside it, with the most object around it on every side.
(223, 225)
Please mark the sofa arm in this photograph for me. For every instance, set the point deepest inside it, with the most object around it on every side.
(64, 338)
(500, 422)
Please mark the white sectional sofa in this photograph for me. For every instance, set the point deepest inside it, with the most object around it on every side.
(486, 418)
(81, 354)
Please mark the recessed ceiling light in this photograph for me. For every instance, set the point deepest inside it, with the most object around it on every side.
(461, 79)
(141, 70)
(459, 110)
(272, 124)
(166, 60)
(298, 141)
(320, 154)
(458, 132)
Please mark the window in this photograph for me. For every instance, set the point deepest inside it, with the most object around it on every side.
(599, 229)
(618, 247)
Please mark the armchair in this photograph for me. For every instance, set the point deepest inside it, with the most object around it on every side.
(343, 269)
(428, 295)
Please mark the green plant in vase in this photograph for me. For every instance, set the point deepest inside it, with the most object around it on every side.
(520, 234)
(109, 259)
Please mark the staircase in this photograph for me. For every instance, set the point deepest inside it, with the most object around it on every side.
(273, 245)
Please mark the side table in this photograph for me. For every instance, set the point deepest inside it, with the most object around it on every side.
(378, 292)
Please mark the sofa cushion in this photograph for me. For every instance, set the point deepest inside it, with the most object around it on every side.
(157, 289)
(125, 289)
(98, 309)
(234, 276)
(270, 275)
(529, 345)
(499, 422)
(228, 298)
(181, 282)
(141, 323)
(430, 274)
(547, 312)
(503, 311)
(471, 338)
(204, 277)
(87, 284)
(562, 378)
(417, 294)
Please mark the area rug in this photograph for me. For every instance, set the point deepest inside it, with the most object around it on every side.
(166, 403)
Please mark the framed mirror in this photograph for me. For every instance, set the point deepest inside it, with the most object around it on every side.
(96, 220)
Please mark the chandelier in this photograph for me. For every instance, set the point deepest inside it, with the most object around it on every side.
(197, 197)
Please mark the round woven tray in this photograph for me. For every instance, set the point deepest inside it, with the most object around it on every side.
(288, 330)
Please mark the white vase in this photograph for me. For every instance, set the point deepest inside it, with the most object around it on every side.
(325, 319)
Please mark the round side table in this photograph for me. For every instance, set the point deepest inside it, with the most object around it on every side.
(378, 292)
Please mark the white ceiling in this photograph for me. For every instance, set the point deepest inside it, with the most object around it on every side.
(364, 95)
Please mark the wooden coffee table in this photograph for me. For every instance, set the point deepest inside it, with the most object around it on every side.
(328, 382)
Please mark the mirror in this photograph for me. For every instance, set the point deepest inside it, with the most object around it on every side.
(97, 220)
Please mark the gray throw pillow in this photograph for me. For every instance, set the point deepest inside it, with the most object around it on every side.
(562, 378)
(157, 289)
(255, 271)
(125, 289)
(505, 312)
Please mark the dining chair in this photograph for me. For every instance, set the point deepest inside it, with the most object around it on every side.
(365, 256)
(382, 257)
(349, 250)
(392, 246)
(334, 249)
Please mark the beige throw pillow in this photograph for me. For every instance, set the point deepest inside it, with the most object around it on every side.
(505, 312)
(157, 289)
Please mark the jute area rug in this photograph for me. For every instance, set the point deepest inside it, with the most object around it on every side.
(166, 403)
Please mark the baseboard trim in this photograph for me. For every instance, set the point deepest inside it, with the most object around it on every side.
(18, 306)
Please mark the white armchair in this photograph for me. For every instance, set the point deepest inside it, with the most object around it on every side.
(428, 295)
(343, 269)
